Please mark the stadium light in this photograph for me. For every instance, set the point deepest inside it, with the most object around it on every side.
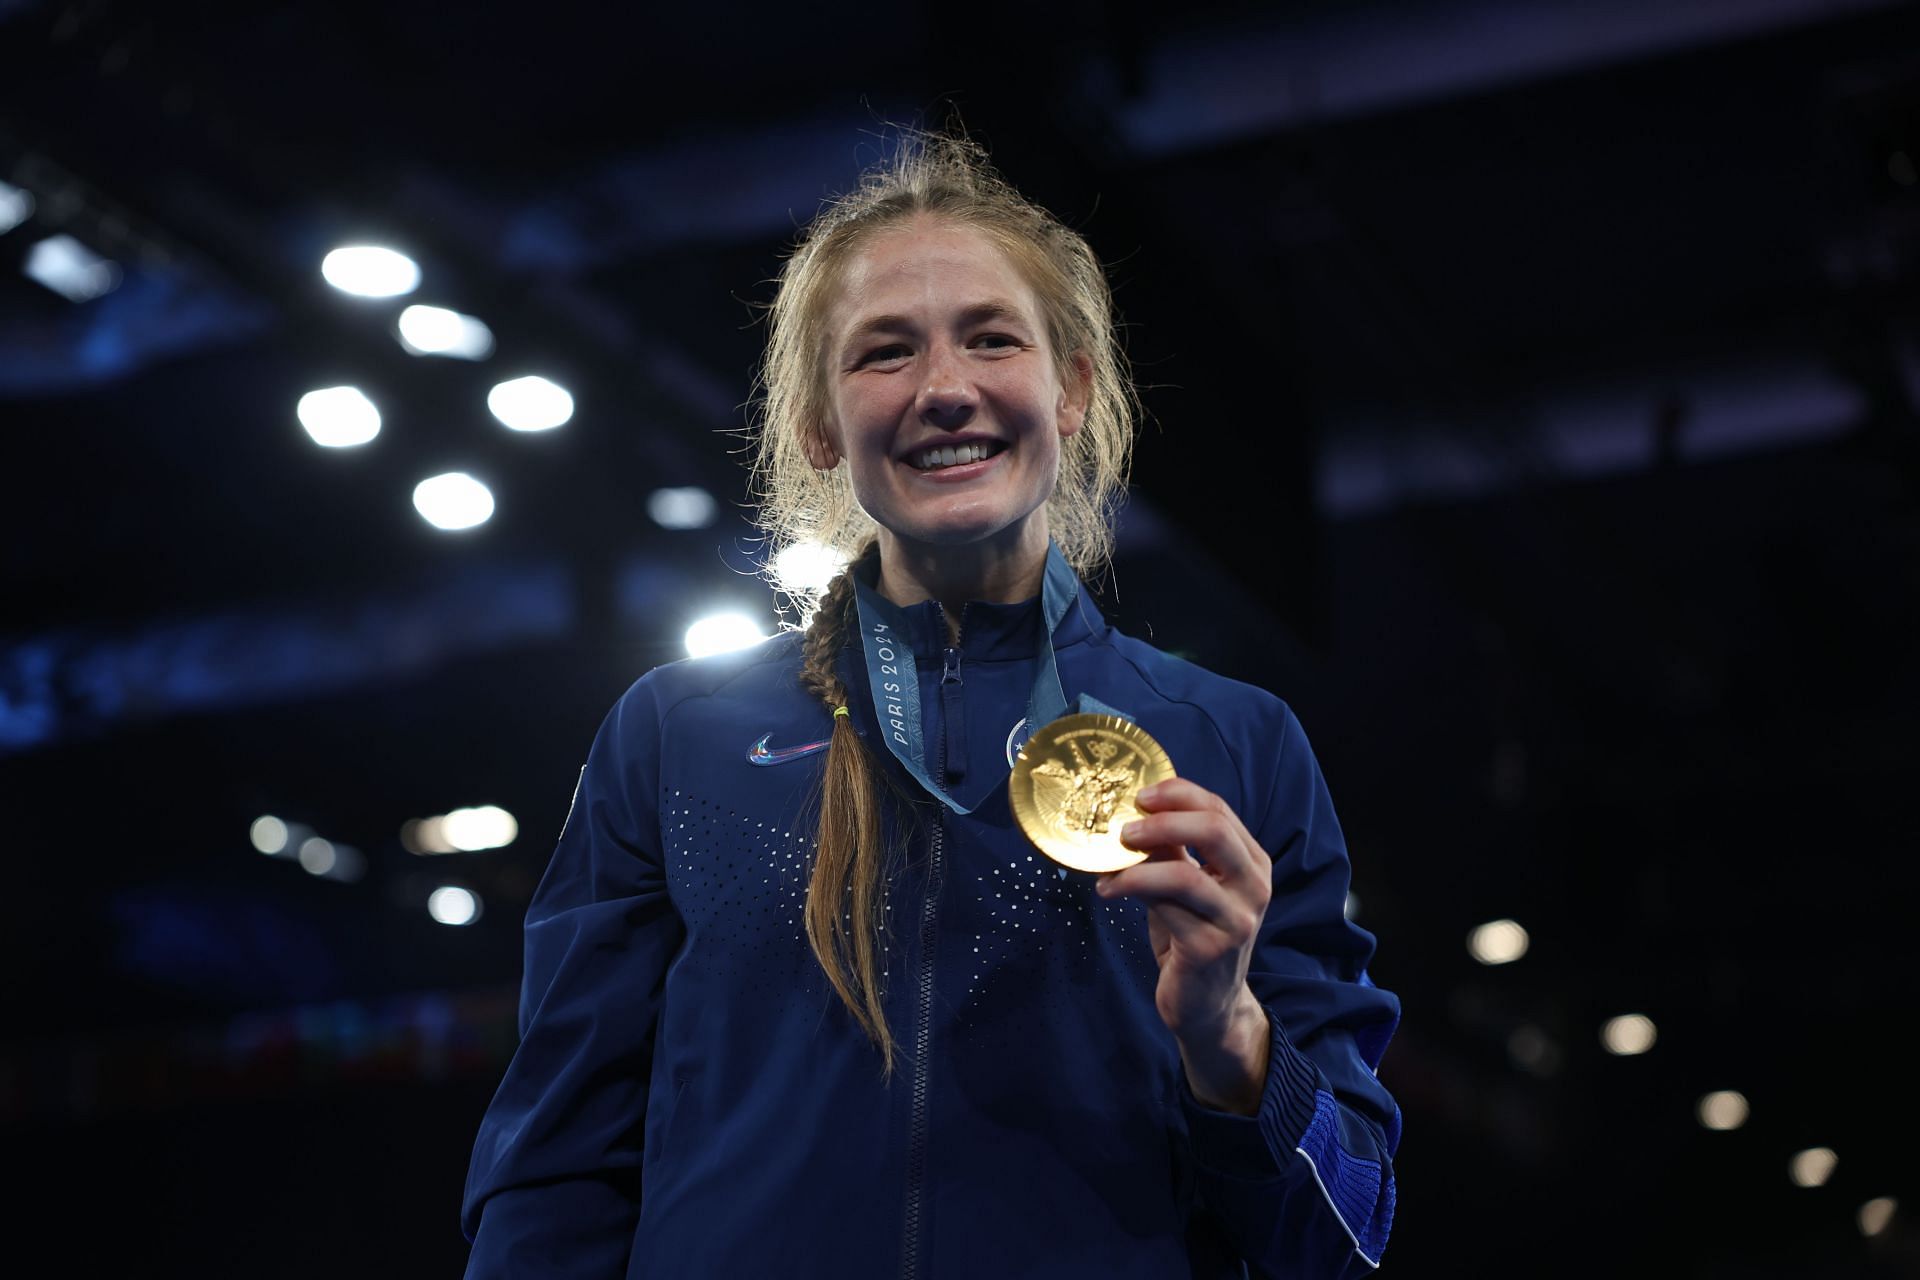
(338, 417)
(70, 269)
(453, 501)
(370, 271)
(721, 633)
(436, 331)
(530, 404)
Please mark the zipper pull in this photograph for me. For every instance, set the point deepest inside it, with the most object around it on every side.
(953, 707)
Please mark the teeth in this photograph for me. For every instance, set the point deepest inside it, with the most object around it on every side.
(950, 455)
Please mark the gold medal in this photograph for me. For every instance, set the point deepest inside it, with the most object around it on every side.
(1073, 786)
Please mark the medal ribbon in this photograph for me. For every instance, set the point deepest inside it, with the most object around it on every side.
(886, 639)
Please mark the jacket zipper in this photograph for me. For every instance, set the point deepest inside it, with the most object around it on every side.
(953, 764)
(911, 1268)
(922, 1038)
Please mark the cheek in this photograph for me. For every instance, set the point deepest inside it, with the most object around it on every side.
(871, 406)
(1035, 398)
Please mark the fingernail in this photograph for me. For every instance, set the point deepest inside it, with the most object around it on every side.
(1128, 832)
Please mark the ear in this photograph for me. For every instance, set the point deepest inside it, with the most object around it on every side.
(816, 440)
(1071, 413)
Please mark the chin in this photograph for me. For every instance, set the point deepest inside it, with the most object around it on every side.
(986, 518)
(952, 534)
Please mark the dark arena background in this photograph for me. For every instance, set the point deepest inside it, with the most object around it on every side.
(1532, 404)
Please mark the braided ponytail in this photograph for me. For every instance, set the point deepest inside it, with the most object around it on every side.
(843, 914)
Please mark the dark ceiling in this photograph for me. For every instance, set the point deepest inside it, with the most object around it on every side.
(1531, 394)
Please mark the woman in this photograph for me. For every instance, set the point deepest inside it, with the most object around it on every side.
(801, 998)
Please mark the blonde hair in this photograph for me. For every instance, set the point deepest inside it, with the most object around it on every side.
(945, 176)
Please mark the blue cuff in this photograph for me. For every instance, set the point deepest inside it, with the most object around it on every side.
(1259, 1146)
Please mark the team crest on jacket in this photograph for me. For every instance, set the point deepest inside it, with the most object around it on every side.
(760, 753)
(1017, 738)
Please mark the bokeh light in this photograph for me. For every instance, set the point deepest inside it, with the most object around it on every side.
(721, 633)
(269, 834)
(485, 827)
(1723, 1109)
(530, 404)
(316, 856)
(437, 331)
(682, 507)
(806, 568)
(453, 501)
(1498, 942)
(370, 271)
(1629, 1034)
(1812, 1167)
(16, 206)
(70, 269)
(339, 417)
(1876, 1214)
(451, 904)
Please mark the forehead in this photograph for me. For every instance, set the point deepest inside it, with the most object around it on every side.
(925, 268)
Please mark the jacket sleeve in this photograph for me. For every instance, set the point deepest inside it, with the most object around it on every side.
(554, 1186)
(1305, 1186)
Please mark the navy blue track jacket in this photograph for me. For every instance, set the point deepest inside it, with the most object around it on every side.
(691, 1099)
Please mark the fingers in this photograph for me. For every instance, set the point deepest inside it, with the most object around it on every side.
(1183, 883)
(1181, 813)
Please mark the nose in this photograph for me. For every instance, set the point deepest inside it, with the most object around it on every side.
(947, 397)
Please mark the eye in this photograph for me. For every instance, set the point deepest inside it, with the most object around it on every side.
(881, 355)
(996, 341)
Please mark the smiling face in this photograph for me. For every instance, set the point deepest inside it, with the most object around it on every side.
(944, 398)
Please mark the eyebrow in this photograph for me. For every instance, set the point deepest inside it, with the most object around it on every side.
(978, 313)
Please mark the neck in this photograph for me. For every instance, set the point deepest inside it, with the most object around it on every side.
(911, 572)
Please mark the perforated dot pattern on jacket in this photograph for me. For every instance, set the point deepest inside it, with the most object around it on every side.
(1025, 906)
(740, 884)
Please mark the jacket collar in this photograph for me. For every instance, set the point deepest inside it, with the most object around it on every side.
(996, 632)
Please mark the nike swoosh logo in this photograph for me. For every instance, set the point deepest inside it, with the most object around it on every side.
(759, 753)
